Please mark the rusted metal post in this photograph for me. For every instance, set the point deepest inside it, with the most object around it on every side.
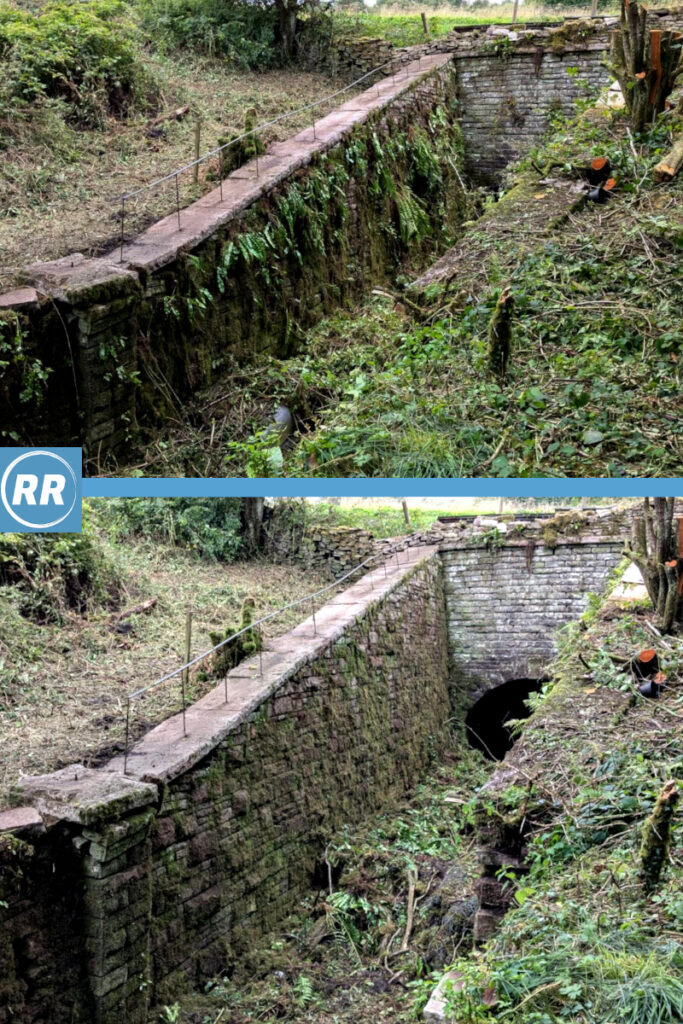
(260, 650)
(177, 200)
(185, 674)
(125, 746)
(197, 146)
(123, 215)
(315, 628)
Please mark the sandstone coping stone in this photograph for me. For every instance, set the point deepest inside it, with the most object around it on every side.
(82, 795)
(21, 819)
(435, 1010)
(169, 750)
(20, 298)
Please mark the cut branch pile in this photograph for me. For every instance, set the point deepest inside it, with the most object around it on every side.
(668, 168)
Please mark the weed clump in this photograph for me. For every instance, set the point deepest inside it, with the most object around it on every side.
(51, 575)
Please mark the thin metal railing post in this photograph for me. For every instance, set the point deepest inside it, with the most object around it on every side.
(260, 651)
(125, 746)
(123, 214)
(177, 200)
(315, 628)
(220, 175)
(257, 172)
(225, 687)
(185, 674)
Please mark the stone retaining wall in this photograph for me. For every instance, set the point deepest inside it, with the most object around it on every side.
(507, 100)
(122, 890)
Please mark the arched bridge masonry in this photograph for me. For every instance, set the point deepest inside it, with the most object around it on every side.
(119, 890)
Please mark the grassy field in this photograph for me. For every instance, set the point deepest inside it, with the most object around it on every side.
(63, 685)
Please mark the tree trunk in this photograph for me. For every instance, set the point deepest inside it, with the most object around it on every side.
(654, 849)
(646, 64)
(669, 167)
(287, 23)
(500, 335)
(252, 521)
(657, 549)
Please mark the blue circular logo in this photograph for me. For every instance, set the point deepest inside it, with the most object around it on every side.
(39, 490)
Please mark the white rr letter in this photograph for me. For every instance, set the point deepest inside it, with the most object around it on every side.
(25, 486)
(53, 485)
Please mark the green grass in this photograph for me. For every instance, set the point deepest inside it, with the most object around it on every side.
(384, 521)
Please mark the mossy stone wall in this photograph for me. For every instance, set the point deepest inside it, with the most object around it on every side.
(145, 902)
(127, 350)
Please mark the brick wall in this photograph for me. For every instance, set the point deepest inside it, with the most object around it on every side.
(507, 99)
(505, 604)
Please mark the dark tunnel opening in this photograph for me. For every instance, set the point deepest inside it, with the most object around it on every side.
(487, 721)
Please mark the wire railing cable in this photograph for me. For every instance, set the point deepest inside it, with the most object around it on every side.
(309, 599)
(125, 197)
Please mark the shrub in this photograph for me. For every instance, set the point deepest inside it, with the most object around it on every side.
(83, 53)
(210, 527)
(53, 573)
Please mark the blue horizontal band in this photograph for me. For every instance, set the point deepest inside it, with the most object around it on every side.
(176, 487)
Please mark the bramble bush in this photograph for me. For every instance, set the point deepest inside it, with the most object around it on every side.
(241, 32)
(49, 575)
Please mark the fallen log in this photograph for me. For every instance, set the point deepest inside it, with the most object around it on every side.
(668, 168)
(173, 115)
(144, 606)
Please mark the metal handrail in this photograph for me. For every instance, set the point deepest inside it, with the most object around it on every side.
(308, 599)
(125, 196)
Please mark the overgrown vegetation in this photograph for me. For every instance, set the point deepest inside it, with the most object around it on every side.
(209, 527)
(592, 387)
(585, 940)
(46, 576)
(341, 957)
(84, 54)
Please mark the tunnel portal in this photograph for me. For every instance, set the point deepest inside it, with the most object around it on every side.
(487, 722)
